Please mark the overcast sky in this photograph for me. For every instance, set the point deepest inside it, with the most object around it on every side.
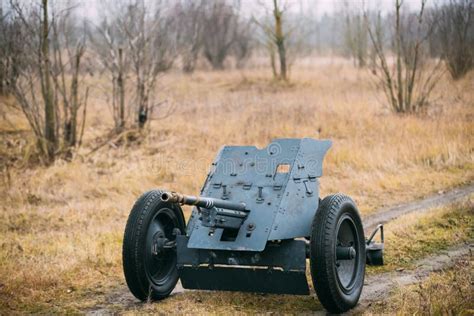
(92, 9)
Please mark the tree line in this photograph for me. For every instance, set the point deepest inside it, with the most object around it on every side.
(47, 50)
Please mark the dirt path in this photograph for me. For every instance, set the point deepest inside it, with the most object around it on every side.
(376, 287)
(379, 286)
(382, 216)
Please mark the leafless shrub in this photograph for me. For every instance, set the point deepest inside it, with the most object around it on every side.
(277, 35)
(454, 34)
(189, 13)
(136, 47)
(68, 49)
(108, 46)
(409, 82)
(10, 31)
(356, 38)
(215, 29)
(244, 42)
(152, 51)
(48, 89)
(220, 28)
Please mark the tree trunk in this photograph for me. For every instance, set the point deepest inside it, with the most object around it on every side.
(272, 61)
(2, 90)
(142, 105)
(121, 88)
(282, 54)
(400, 106)
(189, 61)
(280, 39)
(75, 101)
(49, 110)
(3, 69)
(216, 60)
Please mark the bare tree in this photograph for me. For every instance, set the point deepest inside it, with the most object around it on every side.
(243, 43)
(279, 37)
(48, 86)
(4, 49)
(109, 47)
(270, 47)
(455, 35)
(67, 40)
(189, 13)
(219, 33)
(356, 38)
(409, 81)
(276, 37)
(152, 51)
(375, 19)
(136, 47)
(214, 28)
(10, 31)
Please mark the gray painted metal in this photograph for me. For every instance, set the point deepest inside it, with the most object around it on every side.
(374, 250)
(279, 186)
(244, 280)
(214, 213)
(280, 268)
(204, 202)
(290, 255)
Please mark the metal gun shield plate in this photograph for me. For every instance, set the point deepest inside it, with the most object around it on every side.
(279, 186)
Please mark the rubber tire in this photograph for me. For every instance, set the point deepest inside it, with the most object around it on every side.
(322, 254)
(134, 241)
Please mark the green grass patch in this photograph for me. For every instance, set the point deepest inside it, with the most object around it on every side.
(416, 236)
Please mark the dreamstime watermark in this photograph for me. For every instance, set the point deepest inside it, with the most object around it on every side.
(259, 163)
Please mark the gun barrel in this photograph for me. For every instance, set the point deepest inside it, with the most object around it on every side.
(203, 202)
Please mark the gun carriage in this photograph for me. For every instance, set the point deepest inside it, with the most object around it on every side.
(257, 220)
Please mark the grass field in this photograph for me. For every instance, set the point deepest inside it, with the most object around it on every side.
(444, 293)
(416, 236)
(61, 227)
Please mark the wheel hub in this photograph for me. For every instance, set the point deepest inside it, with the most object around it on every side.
(346, 255)
(159, 241)
(160, 258)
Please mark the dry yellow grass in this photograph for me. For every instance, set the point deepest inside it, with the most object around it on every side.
(416, 236)
(443, 293)
(61, 227)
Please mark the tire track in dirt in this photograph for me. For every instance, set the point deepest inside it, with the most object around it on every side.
(424, 205)
(377, 286)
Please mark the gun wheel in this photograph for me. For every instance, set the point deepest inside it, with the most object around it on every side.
(149, 247)
(338, 253)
